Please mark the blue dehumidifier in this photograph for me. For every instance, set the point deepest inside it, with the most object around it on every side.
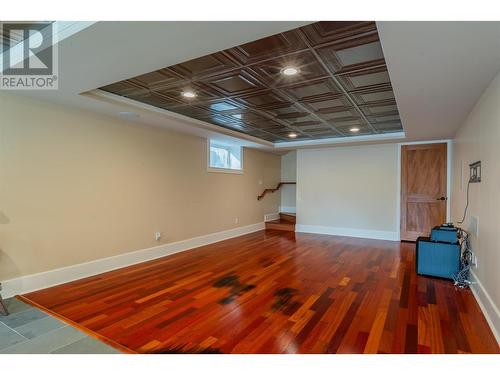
(439, 255)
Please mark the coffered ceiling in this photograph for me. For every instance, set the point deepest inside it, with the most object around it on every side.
(342, 87)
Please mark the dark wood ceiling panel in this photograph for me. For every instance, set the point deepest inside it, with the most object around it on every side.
(156, 80)
(267, 124)
(205, 66)
(323, 133)
(345, 113)
(324, 32)
(155, 99)
(384, 109)
(298, 119)
(249, 116)
(268, 48)
(373, 96)
(313, 90)
(366, 79)
(346, 123)
(225, 106)
(327, 104)
(203, 92)
(256, 120)
(341, 82)
(270, 70)
(353, 55)
(384, 118)
(126, 88)
(225, 121)
(235, 83)
(389, 127)
(195, 112)
(285, 111)
(265, 135)
(265, 99)
(312, 126)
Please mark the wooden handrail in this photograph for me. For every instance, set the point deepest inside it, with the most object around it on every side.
(273, 190)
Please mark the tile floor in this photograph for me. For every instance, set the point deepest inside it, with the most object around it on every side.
(28, 330)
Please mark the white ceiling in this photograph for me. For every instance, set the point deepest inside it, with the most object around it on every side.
(438, 69)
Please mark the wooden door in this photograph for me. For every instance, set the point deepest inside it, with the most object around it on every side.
(423, 189)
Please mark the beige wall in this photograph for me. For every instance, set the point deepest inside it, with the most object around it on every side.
(288, 174)
(76, 186)
(348, 187)
(479, 139)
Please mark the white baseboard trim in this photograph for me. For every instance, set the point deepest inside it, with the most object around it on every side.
(289, 209)
(273, 216)
(30, 283)
(488, 307)
(349, 232)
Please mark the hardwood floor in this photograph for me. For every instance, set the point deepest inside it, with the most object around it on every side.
(276, 292)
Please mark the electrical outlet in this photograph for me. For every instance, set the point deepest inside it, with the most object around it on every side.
(474, 260)
(157, 236)
(236, 220)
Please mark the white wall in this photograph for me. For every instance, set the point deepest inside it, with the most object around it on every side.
(348, 191)
(478, 139)
(288, 174)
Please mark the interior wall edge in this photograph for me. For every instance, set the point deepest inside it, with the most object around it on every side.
(348, 232)
(37, 281)
(488, 307)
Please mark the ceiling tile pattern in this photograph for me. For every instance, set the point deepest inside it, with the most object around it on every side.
(342, 84)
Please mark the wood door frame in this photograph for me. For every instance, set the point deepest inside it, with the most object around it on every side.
(449, 166)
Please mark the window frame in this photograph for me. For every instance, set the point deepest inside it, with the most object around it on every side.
(224, 170)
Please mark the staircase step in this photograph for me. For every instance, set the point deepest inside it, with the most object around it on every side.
(288, 216)
(280, 225)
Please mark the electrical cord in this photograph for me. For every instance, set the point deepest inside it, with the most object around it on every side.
(461, 279)
(466, 206)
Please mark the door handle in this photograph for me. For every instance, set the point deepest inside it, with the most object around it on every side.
(442, 199)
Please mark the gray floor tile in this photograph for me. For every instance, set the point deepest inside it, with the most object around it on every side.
(23, 317)
(14, 305)
(29, 330)
(47, 342)
(39, 327)
(87, 345)
(8, 337)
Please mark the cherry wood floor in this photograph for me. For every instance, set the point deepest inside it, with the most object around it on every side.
(275, 292)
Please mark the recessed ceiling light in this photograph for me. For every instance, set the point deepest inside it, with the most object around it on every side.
(189, 94)
(289, 71)
(292, 135)
(354, 130)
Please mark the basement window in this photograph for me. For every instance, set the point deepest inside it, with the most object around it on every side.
(224, 157)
